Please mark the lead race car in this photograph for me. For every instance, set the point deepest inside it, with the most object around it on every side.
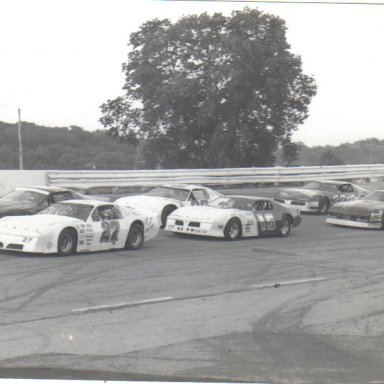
(77, 226)
(166, 198)
(234, 217)
(366, 212)
(318, 196)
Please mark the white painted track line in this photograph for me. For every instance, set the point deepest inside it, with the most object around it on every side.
(122, 305)
(291, 282)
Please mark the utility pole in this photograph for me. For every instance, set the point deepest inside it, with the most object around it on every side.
(20, 142)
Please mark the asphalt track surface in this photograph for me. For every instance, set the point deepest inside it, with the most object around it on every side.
(304, 309)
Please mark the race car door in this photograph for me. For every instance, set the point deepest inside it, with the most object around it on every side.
(263, 211)
(108, 231)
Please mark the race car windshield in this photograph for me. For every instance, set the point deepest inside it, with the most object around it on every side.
(77, 211)
(320, 186)
(24, 197)
(169, 193)
(232, 202)
(376, 196)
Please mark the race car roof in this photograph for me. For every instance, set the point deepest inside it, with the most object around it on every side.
(44, 189)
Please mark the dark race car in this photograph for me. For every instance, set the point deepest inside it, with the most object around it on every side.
(30, 200)
(318, 196)
(366, 212)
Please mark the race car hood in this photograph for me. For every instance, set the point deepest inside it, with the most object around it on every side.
(357, 207)
(33, 225)
(203, 213)
(143, 202)
(10, 208)
(297, 193)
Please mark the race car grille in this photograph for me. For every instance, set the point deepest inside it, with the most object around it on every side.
(297, 203)
(15, 246)
(194, 224)
(179, 222)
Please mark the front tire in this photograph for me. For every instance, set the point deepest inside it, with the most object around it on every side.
(323, 205)
(232, 230)
(66, 243)
(286, 226)
(135, 238)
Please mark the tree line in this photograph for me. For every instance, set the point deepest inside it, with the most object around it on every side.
(62, 148)
(73, 148)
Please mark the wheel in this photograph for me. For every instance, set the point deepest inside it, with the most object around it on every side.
(66, 244)
(286, 225)
(323, 205)
(232, 230)
(135, 238)
(166, 212)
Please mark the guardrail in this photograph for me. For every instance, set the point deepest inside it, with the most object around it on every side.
(214, 177)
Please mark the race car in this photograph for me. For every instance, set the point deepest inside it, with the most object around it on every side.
(234, 217)
(318, 196)
(77, 226)
(30, 200)
(166, 198)
(366, 212)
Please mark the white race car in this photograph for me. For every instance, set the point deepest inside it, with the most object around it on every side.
(233, 217)
(166, 198)
(77, 226)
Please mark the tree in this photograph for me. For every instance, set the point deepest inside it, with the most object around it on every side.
(211, 91)
(329, 157)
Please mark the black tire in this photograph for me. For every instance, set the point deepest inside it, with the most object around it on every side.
(66, 243)
(286, 226)
(232, 230)
(135, 238)
(166, 212)
(323, 206)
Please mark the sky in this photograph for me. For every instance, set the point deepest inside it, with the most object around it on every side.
(61, 59)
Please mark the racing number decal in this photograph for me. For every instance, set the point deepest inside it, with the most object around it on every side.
(270, 221)
(266, 221)
(110, 231)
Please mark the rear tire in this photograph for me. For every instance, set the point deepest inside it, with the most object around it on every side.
(135, 238)
(286, 226)
(232, 230)
(165, 213)
(66, 243)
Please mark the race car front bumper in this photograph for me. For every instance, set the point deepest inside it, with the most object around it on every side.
(195, 228)
(304, 206)
(10, 242)
(352, 223)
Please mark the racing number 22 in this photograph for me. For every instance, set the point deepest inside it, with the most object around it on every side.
(110, 231)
